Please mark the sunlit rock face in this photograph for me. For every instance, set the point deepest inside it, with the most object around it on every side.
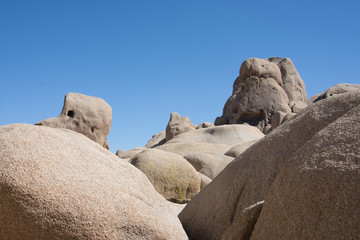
(87, 115)
(58, 184)
(178, 125)
(301, 181)
(264, 86)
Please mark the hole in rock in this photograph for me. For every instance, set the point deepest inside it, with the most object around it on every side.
(70, 113)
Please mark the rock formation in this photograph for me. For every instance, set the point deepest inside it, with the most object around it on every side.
(237, 150)
(208, 164)
(88, 115)
(181, 166)
(58, 184)
(335, 90)
(127, 155)
(185, 148)
(300, 181)
(172, 176)
(316, 193)
(204, 125)
(229, 207)
(226, 134)
(178, 125)
(157, 140)
(213, 140)
(264, 87)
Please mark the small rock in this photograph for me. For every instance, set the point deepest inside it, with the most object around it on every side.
(178, 125)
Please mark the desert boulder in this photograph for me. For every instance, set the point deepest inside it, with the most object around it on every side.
(229, 206)
(178, 125)
(264, 86)
(58, 184)
(316, 194)
(172, 176)
(88, 115)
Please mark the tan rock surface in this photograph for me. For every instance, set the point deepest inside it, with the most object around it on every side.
(277, 119)
(208, 164)
(229, 206)
(185, 148)
(58, 184)
(237, 150)
(292, 82)
(157, 140)
(316, 194)
(264, 86)
(178, 125)
(172, 176)
(88, 115)
(204, 181)
(338, 89)
(130, 153)
(311, 99)
(296, 107)
(226, 134)
(204, 125)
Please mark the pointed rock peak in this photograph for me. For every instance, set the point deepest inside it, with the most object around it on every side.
(178, 125)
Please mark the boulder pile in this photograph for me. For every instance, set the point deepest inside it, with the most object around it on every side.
(298, 182)
(182, 165)
(264, 87)
(275, 165)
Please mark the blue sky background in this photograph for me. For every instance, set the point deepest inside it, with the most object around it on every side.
(150, 58)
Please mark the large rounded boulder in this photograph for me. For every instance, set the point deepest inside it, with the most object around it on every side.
(58, 184)
(316, 194)
(322, 153)
(172, 176)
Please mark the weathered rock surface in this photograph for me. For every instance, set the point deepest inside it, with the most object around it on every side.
(58, 184)
(130, 153)
(172, 176)
(316, 194)
(212, 140)
(204, 180)
(226, 134)
(237, 150)
(88, 115)
(288, 117)
(185, 148)
(293, 85)
(263, 87)
(311, 99)
(338, 89)
(277, 119)
(204, 125)
(280, 117)
(229, 206)
(157, 140)
(208, 164)
(297, 106)
(178, 125)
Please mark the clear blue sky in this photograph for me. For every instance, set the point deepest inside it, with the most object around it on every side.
(150, 58)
